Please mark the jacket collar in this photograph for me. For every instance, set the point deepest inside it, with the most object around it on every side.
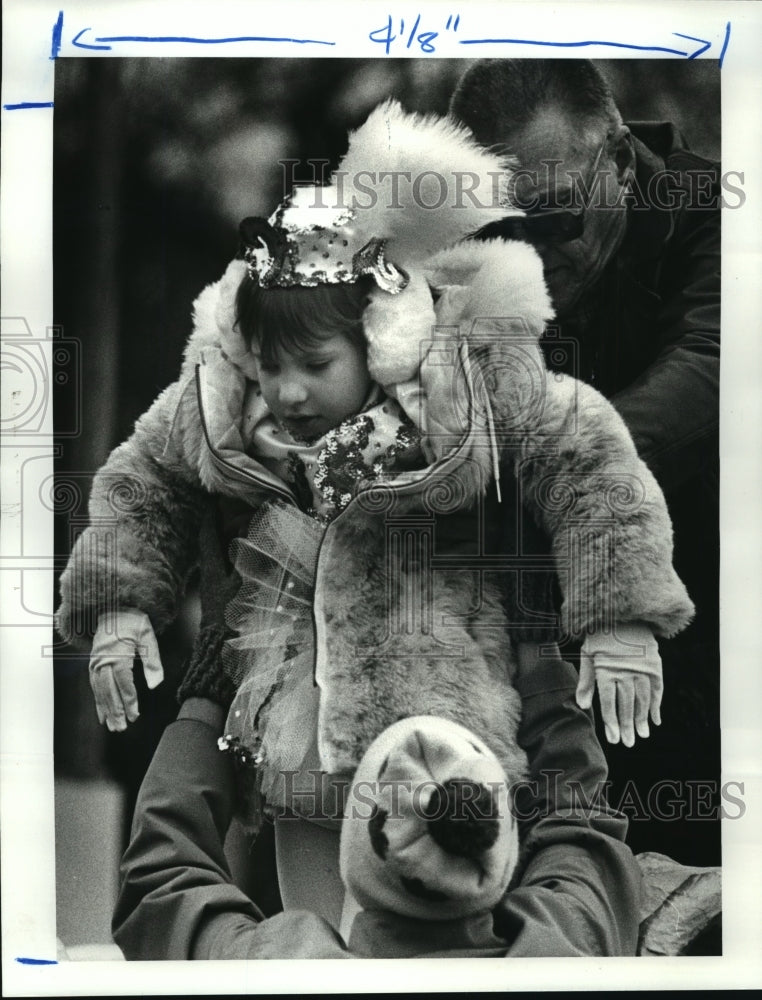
(224, 465)
(649, 226)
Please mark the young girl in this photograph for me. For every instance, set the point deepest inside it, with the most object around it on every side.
(360, 380)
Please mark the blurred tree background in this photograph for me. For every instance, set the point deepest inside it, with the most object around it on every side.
(155, 163)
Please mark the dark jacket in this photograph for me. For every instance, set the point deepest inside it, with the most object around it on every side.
(648, 337)
(579, 891)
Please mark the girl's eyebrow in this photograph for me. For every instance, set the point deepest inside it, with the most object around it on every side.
(305, 355)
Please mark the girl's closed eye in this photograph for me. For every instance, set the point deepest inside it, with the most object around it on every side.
(269, 367)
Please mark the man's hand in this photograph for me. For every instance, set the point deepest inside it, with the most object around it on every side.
(626, 666)
(119, 638)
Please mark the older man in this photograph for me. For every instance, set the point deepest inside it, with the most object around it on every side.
(627, 222)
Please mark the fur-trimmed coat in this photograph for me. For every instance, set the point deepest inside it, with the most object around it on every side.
(399, 631)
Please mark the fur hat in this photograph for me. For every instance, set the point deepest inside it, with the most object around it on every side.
(408, 187)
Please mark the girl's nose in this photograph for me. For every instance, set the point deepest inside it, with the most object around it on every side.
(292, 391)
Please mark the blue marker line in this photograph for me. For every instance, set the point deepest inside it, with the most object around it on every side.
(171, 39)
(725, 43)
(84, 45)
(211, 41)
(55, 44)
(573, 45)
(37, 961)
(28, 104)
(412, 33)
(704, 44)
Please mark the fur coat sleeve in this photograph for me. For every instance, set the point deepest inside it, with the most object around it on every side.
(578, 470)
(148, 499)
(607, 518)
(145, 509)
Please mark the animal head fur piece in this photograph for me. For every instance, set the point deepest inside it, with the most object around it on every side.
(428, 829)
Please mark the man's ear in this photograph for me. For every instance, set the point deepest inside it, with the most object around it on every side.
(624, 155)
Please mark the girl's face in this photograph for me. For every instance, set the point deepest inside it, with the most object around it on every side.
(313, 390)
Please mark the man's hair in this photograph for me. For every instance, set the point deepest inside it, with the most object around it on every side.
(296, 319)
(496, 97)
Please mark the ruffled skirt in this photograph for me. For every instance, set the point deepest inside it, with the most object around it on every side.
(272, 722)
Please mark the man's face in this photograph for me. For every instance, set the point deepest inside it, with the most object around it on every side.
(554, 152)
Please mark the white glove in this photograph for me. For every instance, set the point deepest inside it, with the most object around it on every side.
(119, 638)
(626, 666)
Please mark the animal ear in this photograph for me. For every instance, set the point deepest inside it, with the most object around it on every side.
(256, 232)
(264, 249)
(371, 260)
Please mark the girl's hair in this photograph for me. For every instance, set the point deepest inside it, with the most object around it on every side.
(298, 318)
